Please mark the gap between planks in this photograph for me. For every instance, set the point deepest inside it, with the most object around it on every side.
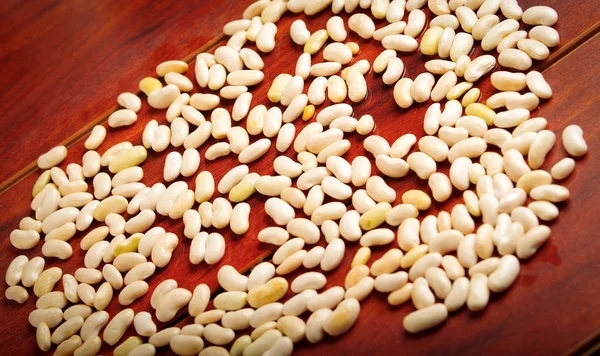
(100, 119)
(31, 167)
(570, 47)
(587, 345)
(590, 343)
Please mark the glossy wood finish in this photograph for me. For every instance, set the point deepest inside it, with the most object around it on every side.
(65, 60)
(543, 294)
(553, 305)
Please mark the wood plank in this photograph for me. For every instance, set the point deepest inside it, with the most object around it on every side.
(121, 63)
(243, 252)
(65, 62)
(553, 304)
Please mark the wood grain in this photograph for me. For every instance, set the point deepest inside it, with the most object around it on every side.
(553, 304)
(539, 279)
(65, 62)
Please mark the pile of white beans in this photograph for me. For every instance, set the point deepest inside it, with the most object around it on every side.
(439, 262)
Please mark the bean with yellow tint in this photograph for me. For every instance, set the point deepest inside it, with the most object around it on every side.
(418, 198)
(171, 66)
(471, 97)
(149, 84)
(375, 216)
(129, 245)
(308, 112)
(316, 41)
(482, 111)
(270, 292)
(132, 157)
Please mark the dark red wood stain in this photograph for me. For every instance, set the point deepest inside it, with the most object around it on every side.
(553, 305)
(65, 62)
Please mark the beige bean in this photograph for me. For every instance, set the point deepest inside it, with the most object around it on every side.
(423, 165)
(96, 137)
(416, 22)
(163, 337)
(52, 317)
(133, 291)
(20, 295)
(545, 34)
(46, 281)
(511, 40)
(66, 330)
(573, 141)
(479, 293)
(528, 245)
(563, 168)
(540, 15)
(343, 317)
(425, 318)
(515, 59)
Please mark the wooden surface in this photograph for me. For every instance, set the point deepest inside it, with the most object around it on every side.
(63, 61)
(551, 308)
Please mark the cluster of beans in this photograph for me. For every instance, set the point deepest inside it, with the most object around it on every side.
(439, 262)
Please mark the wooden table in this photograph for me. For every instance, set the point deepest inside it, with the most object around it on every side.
(64, 63)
